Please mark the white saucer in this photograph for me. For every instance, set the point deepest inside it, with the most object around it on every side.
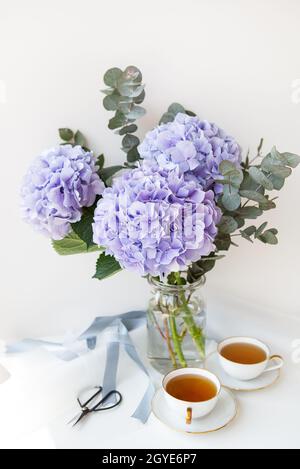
(264, 381)
(224, 412)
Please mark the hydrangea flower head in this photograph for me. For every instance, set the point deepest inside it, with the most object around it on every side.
(154, 223)
(57, 185)
(196, 147)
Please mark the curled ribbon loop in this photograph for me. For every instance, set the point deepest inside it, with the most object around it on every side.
(121, 325)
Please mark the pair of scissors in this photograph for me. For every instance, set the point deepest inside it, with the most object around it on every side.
(96, 403)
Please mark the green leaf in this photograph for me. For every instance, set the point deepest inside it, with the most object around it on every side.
(278, 164)
(172, 111)
(79, 139)
(230, 199)
(275, 154)
(175, 108)
(248, 184)
(108, 91)
(137, 91)
(277, 181)
(125, 108)
(268, 237)
(201, 267)
(248, 232)
(128, 129)
(166, 117)
(252, 195)
(291, 159)
(66, 134)
(100, 161)
(83, 228)
(111, 102)
(190, 113)
(260, 178)
(129, 141)
(231, 173)
(223, 242)
(260, 229)
(140, 98)
(106, 266)
(112, 76)
(250, 212)
(240, 221)
(132, 73)
(117, 121)
(278, 170)
(133, 155)
(72, 244)
(227, 225)
(107, 173)
(136, 112)
(268, 205)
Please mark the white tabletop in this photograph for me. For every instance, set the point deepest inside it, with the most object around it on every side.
(39, 397)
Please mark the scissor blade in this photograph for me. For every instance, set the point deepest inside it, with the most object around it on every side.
(74, 418)
(83, 414)
(78, 417)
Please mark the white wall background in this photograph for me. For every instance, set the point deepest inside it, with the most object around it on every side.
(232, 62)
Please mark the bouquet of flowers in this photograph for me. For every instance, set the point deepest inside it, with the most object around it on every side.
(169, 213)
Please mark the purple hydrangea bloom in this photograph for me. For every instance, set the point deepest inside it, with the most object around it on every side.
(196, 147)
(57, 185)
(154, 223)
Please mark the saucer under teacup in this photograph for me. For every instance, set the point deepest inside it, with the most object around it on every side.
(224, 413)
(265, 380)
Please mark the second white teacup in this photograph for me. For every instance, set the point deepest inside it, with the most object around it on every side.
(247, 371)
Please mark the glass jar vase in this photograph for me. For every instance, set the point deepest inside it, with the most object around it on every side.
(176, 323)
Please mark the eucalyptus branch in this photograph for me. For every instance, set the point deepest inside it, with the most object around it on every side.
(259, 148)
(124, 95)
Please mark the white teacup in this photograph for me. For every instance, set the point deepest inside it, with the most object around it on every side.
(190, 410)
(245, 372)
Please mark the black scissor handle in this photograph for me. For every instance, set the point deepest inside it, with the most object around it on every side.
(114, 392)
(84, 404)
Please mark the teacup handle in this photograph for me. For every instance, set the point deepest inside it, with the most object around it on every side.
(188, 417)
(279, 364)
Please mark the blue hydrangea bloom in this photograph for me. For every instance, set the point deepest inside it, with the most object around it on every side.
(155, 223)
(57, 185)
(196, 147)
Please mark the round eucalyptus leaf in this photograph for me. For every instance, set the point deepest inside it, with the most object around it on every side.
(111, 102)
(291, 159)
(260, 178)
(117, 121)
(128, 129)
(129, 141)
(136, 112)
(140, 98)
(175, 108)
(132, 73)
(252, 195)
(231, 201)
(268, 237)
(280, 171)
(250, 212)
(277, 181)
(112, 76)
(133, 155)
(166, 117)
(227, 225)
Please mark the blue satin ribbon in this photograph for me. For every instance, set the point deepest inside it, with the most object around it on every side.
(120, 326)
